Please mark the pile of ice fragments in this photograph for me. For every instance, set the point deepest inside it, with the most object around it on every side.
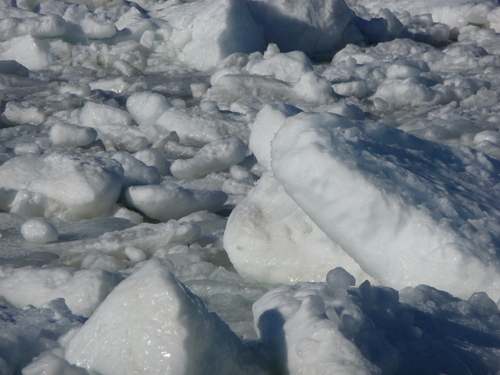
(249, 187)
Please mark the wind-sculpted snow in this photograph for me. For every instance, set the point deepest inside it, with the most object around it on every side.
(407, 210)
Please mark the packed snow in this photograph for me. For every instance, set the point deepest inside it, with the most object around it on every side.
(249, 187)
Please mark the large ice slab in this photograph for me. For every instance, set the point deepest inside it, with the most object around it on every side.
(68, 184)
(408, 211)
(162, 327)
(270, 239)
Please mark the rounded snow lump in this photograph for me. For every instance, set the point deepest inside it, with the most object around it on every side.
(39, 230)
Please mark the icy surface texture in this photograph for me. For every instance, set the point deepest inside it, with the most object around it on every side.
(163, 327)
(402, 207)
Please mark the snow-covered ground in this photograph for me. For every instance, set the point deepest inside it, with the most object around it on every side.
(249, 187)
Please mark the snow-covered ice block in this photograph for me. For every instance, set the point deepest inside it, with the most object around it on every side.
(302, 337)
(92, 25)
(144, 236)
(99, 260)
(113, 126)
(39, 27)
(310, 89)
(409, 211)
(162, 327)
(101, 115)
(205, 32)
(287, 67)
(315, 27)
(77, 186)
(83, 290)
(170, 201)
(135, 171)
(26, 50)
(266, 124)
(147, 107)
(28, 148)
(199, 127)
(22, 113)
(270, 239)
(70, 135)
(154, 158)
(213, 157)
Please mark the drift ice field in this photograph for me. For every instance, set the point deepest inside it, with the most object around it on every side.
(249, 187)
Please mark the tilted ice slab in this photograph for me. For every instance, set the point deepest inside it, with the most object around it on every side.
(407, 210)
(68, 184)
(270, 239)
(162, 327)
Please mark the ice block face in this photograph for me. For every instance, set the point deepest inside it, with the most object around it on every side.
(269, 238)
(409, 211)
